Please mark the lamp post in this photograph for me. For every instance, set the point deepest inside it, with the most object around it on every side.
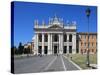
(88, 11)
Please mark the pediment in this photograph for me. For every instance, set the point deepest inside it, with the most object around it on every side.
(56, 27)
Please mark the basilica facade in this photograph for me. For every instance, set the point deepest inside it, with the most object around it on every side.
(56, 37)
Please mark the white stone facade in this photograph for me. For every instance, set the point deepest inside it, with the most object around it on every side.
(54, 38)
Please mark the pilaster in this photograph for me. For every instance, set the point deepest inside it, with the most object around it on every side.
(68, 43)
(42, 43)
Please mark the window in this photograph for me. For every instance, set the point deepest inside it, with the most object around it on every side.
(56, 38)
(46, 37)
(81, 51)
(84, 36)
(40, 37)
(85, 51)
(89, 44)
(92, 43)
(92, 50)
(92, 36)
(65, 38)
(70, 38)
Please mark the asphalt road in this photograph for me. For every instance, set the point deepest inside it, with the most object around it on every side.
(43, 64)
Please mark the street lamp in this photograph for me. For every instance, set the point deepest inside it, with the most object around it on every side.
(88, 11)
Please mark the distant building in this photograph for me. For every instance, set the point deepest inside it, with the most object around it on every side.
(29, 45)
(82, 42)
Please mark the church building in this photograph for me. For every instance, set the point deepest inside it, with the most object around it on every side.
(56, 37)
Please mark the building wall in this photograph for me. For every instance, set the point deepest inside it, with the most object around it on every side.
(83, 42)
(79, 45)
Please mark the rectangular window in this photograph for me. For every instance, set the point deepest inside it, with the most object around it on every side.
(92, 36)
(92, 50)
(92, 43)
(84, 36)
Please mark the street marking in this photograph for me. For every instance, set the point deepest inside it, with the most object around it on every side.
(50, 64)
(74, 63)
(63, 64)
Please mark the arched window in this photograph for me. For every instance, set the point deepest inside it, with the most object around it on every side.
(46, 37)
(40, 37)
(70, 38)
(65, 38)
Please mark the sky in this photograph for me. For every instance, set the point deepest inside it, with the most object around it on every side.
(26, 12)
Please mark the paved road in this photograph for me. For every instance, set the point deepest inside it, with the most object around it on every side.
(43, 64)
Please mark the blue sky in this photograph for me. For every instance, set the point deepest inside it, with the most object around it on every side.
(26, 12)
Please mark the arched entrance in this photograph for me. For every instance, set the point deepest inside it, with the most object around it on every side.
(55, 44)
(65, 49)
(40, 50)
(45, 50)
(55, 49)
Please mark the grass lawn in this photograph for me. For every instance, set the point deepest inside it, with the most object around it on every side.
(80, 59)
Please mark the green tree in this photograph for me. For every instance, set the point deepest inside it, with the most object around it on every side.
(20, 48)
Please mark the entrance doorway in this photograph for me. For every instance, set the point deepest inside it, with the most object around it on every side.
(55, 49)
(45, 50)
(70, 49)
(40, 50)
(65, 49)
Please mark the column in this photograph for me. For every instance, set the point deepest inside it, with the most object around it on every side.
(74, 43)
(49, 51)
(61, 44)
(42, 43)
(36, 44)
(68, 43)
(51, 44)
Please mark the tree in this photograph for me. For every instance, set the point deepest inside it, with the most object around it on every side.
(20, 48)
